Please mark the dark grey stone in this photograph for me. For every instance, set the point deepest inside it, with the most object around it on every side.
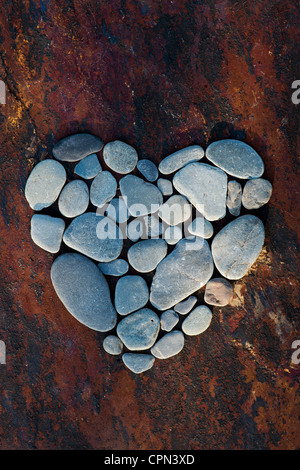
(77, 146)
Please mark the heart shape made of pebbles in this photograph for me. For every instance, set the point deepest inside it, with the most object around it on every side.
(160, 219)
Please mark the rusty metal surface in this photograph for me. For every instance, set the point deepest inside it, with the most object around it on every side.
(161, 76)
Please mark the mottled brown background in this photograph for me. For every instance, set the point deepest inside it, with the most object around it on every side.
(160, 75)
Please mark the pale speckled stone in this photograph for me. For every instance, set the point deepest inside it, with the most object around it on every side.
(218, 291)
(257, 192)
(178, 159)
(145, 255)
(197, 321)
(47, 232)
(131, 294)
(117, 267)
(169, 345)
(103, 188)
(74, 199)
(141, 197)
(175, 210)
(234, 197)
(139, 330)
(168, 320)
(120, 157)
(88, 167)
(185, 306)
(165, 186)
(148, 169)
(138, 363)
(77, 146)
(112, 345)
(201, 227)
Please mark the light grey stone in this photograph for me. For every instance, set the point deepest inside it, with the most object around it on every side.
(76, 147)
(257, 192)
(44, 184)
(185, 306)
(200, 227)
(84, 291)
(120, 157)
(112, 345)
(118, 211)
(197, 321)
(236, 158)
(103, 188)
(172, 235)
(145, 255)
(47, 232)
(131, 294)
(205, 186)
(168, 320)
(236, 247)
(139, 330)
(153, 226)
(118, 267)
(74, 199)
(234, 197)
(141, 197)
(169, 345)
(218, 291)
(95, 236)
(181, 273)
(88, 167)
(165, 186)
(138, 363)
(148, 169)
(175, 210)
(177, 160)
(135, 230)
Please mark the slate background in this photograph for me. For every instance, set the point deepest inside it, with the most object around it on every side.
(160, 76)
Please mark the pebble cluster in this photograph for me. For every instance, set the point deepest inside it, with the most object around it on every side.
(152, 308)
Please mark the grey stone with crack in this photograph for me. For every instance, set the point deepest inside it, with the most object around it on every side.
(138, 363)
(74, 199)
(169, 345)
(103, 188)
(182, 157)
(197, 321)
(145, 255)
(256, 193)
(76, 147)
(120, 157)
(47, 232)
(131, 294)
(234, 197)
(139, 330)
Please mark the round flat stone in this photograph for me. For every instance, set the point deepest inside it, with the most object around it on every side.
(178, 159)
(112, 345)
(169, 345)
(120, 157)
(168, 320)
(74, 199)
(118, 267)
(200, 227)
(205, 187)
(47, 232)
(95, 236)
(145, 255)
(197, 321)
(117, 211)
(257, 192)
(103, 188)
(236, 158)
(185, 306)
(44, 184)
(84, 291)
(139, 330)
(141, 197)
(218, 291)
(175, 210)
(77, 146)
(234, 197)
(165, 186)
(138, 363)
(148, 169)
(131, 294)
(172, 235)
(88, 167)
(236, 247)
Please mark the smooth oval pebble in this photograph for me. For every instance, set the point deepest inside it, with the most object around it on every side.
(182, 157)
(169, 345)
(84, 291)
(256, 193)
(112, 345)
(138, 363)
(44, 184)
(236, 247)
(186, 306)
(88, 167)
(95, 236)
(77, 146)
(218, 291)
(200, 227)
(139, 330)
(165, 186)
(141, 197)
(120, 157)
(145, 255)
(74, 199)
(148, 169)
(103, 188)
(117, 267)
(175, 210)
(131, 294)
(234, 197)
(197, 321)
(236, 158)
(47, 232)
(168, 320)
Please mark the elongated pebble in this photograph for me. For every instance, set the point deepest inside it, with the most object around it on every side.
(88, 167)
(120, 157)
(47, 232)
(77, 146)
(112, 345)
(138, 363)
(178, 159)
(117, 267)
(103, 188)
(197, 321)
(234, 197)
(148, 169)
(74, 199)
(169, 345)
(185, 306)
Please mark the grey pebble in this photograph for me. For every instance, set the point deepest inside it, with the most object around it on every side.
(168, 320)
(145, 255)
(77, 146)
(44, 184)
(172, 235)
(135, 230)
(218, 291)
(169, 345)
(153, 226)
(200, 227)
(47, 232)
(138, 363)
(84, 291)
(120, 157)
(139, 330)
(74, 199)
(117, 267)
(234, 197)
(117, 210)
(131, 294)
(175, 210)
(205, 187)
(165, 186)
(185, 306)
(112, 345)
(197, 321)
(236, 158)
(103, 188)
(88, 167)
(182, 157)
(256, 193)
(141, 197)
(236, 247)
(95, 236)
(148, 169)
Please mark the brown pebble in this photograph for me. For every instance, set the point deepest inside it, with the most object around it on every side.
(218, 292)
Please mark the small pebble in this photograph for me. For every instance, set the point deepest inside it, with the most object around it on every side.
(148, 169)
(200, 227)
(185, 306)
(88, 167)
(175, 210)
(120, 157)
(118, 267)
(138, 363)
(145, 255)
(74, 199)
(112, 345)
(168, 320)
(76, 147)
(169, 345)
(165, 186)
(218, 291)
(177, 160)
(118, 211)
(141, 197)
(103, 188)
(257, 192)
(197, 321)
(139, 330)
(47, 232)
(135, 230)
(172, 235)
(234, 197)
(131, 294)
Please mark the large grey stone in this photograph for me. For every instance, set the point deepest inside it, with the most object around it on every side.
(175, 210)
(181, 273)
(131, 294)
(84, 291)
(95, 236)
(88, 167)
(236, 247)
(234, 197)
(44, 184)
(74, 199)
(103, 188)
(141, 197)
(138, 363)
(177, 160)
(169, 345)
(77, 146)
(47, 232)
(197, 321)
(145, 255)
(257, 192)
(120, 157)
(139, 330)
(148, 169)
(236, 158)
(205, 186)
